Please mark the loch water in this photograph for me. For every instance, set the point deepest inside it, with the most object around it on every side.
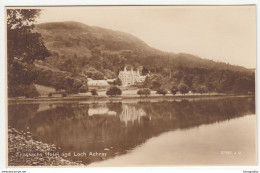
(176, 132)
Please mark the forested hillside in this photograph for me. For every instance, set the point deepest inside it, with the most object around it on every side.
(101, 53)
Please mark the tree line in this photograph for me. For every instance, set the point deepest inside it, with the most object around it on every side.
(104, 59)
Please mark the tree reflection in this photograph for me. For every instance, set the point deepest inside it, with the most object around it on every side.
(90, 127)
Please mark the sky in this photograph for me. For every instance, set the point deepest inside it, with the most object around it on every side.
(219, 33)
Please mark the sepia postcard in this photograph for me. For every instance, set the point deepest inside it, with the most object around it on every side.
(131, 86)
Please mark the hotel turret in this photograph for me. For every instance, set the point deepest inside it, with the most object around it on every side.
(130, 77)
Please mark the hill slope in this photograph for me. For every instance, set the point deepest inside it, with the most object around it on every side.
(100, 53)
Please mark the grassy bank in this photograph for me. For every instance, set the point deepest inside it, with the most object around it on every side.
(122, 98)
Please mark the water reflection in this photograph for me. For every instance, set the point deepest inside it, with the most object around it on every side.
(96, 109)
(131, 114)
(116, 128)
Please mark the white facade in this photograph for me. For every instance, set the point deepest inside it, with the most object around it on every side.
(97, 82)
(130, 77)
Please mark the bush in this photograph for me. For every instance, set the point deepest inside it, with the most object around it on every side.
(118, 82)
(83, 89)
(50, 94)
(162, 91)
(31, 91)
(183, 88)
(174, 90)
(144, 92)
(140, 92)
(94, 92)
(113, 91)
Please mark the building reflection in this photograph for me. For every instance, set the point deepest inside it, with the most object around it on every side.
(131, 114)
(100, 110)
(45, 106)
(123, 126)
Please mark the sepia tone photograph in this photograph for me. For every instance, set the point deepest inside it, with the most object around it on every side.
(131, 86)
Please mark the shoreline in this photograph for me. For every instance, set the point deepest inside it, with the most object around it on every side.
(25, 151)
(122, 98)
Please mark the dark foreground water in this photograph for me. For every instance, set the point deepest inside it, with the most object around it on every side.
(176, 132)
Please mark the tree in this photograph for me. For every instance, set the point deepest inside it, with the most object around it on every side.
(145, 71)
(156, 81)
(113, 91)
(31, 92)
(202, 89)
(69, 82)
(83, 88)
(67, 65)
(23, 43)
(76, 87)
(97, 75)
(118, 82)
(162, 91)
(147, 82)
(174, 90)
(77, 83)
(153, 81)
(109, 74)
(139, 92)
(24, 47)
(94, 92)
(155, 85)
(144, 92)
(183, 88)
(59, 82)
